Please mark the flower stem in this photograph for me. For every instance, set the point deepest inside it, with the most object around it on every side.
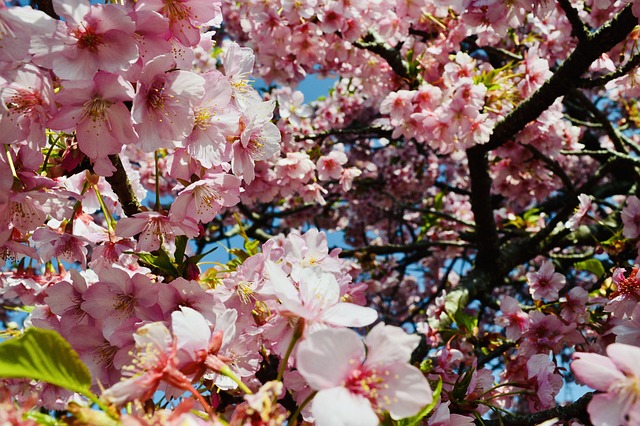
(7, 150)
(226, 371)
(297, 334)
(111, 223)
(202, 401)
(293, 420)
(155, 157)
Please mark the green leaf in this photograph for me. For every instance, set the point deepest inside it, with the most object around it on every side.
(160, 261)
(181, 247)
(465, 322)
(591, 265)
(415, 420)
(45, 356)
(43, 419)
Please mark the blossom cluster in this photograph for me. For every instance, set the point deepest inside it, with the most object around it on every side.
(483, 268)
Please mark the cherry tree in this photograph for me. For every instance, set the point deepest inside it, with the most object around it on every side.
(451, 236)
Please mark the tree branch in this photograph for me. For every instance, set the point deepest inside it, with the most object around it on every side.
(401, 248)
(373, 43)
(576, 410)
(121, 185)
(589, 83)
(486, 229)
(578, 27)
(564, 79)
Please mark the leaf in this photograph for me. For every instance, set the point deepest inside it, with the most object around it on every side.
(415, 420)
(591, 265)
(466, 322)
(181, 247)
(160, 261)
(45, 356)
(43, 419)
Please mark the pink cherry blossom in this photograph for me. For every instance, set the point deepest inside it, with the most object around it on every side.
(355, 384)
(203, 199)
(512, 318)
(215, 121)
(91, 38)
(25, 105)
(330, 166)
(627, 294)
(184, 16)
(316, 298)
(163, 106)
(581, 212)
(259, 140)
(616, 375)
(98, 113)
(155, 229)
(631, 217)
(545, 283)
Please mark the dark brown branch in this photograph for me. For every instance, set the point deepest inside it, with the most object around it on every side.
(121, 185)
(486, 230)
(46, 6)
(576, 410)
(373, 43)
(400, 248)
(499, 351)
(375, 131)
(554, 167)
(632, 63)
(579, 29)
(564, 78)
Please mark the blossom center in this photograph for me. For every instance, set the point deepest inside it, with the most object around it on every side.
(88, 39)
(96, 108)
(627, 389)
(175, 10)
(156, 96)
(627, 286)
(23, 101)
(202, 118)
(367, 383)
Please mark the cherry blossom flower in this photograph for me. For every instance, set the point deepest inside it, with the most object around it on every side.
(185, 16)
(631, 217)
(155, 229)
(98, 113)
(91, 38)
(154, 361)
(617, 375)
(545, 283)
(162, 108)
(330, 166)
(61, 245)
(316, 298)
(238, 65)
(355, 384)
(25, 105)
(292, 107)
(17, 27)
(202, 200)
(215, 120)
(259, 140)
(581, 212)
(512, 318)
(627, 294)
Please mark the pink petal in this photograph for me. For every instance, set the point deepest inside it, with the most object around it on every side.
(407, 392)
(606, 410)
(326, 357)
(625, 357)
(595, 371)
(349, 315)
(339, 407)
